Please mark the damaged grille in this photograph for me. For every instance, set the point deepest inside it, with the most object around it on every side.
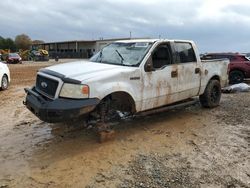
(46, 85)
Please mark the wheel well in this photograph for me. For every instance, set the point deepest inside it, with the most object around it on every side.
(122, 100)
(2, 78)
(6, 76)
(216, 77)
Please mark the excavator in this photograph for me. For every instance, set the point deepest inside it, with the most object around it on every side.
(4, 54)
(34, 55)
(27, 55)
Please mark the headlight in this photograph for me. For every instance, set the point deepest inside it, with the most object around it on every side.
(74, 91)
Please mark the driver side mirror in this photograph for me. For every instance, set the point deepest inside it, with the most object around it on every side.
(149, 65)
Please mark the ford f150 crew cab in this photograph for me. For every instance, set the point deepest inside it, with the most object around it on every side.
(127, 76)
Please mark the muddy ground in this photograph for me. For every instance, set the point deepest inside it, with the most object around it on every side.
(188, 147)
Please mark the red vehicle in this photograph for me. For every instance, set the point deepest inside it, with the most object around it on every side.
(239, 66)
(13, 58)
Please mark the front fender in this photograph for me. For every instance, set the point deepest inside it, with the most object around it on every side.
(103, 90)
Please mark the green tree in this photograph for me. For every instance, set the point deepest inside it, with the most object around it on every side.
(10, 44)
(7, 43)
(23, 42)
(1, 42)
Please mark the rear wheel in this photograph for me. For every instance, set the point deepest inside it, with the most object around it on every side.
(4, 82)
(211, 97)
(236, 77)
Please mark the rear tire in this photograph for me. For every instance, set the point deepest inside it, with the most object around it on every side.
(4, 83)
(212, 94)
(236, 77)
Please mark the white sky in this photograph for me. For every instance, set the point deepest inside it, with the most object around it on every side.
(215, 25)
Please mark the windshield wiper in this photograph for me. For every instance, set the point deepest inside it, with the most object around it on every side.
(122, 59)
(97, 57)
(100, 56)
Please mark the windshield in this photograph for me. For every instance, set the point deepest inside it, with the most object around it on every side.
(13, 55)
(120, 53)
(248, 58)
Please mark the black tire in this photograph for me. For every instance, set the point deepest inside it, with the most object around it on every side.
(4, 82)
(212, 94)
(236, 77)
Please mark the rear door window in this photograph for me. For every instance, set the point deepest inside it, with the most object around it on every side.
(185, 52)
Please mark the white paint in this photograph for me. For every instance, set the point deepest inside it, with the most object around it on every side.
(153, 89)
(4, 70)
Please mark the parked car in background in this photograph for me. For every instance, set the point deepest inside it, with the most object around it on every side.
(4, 76)
(239, 66)
(13, 58)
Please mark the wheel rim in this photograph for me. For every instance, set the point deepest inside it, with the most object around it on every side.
(236, 78)
(4, 82)
(215, 94)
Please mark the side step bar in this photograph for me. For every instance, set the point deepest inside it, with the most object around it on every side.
(169, 107)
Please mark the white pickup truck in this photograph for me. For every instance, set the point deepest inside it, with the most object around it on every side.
(127, 76)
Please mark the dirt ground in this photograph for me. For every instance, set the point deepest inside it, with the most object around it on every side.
(188, 147)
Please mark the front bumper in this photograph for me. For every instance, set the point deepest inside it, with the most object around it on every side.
(14, 61)
(58, 110)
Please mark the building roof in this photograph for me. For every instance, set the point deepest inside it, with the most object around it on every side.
(90, 41)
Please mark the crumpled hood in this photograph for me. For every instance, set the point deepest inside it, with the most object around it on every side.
(83, 70)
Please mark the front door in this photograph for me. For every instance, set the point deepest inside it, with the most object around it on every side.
(160, 85)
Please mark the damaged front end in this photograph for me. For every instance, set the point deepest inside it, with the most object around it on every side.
(57, 110)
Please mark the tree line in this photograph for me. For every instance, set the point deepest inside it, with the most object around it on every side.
(21, 42)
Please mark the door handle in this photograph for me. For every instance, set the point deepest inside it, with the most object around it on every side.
(174, 74)
(197, 70)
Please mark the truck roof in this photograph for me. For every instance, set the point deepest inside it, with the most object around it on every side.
(153, 40)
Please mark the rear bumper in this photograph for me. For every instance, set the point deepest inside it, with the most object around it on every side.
(58, 110)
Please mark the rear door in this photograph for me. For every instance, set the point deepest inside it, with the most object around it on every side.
(188, 70)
